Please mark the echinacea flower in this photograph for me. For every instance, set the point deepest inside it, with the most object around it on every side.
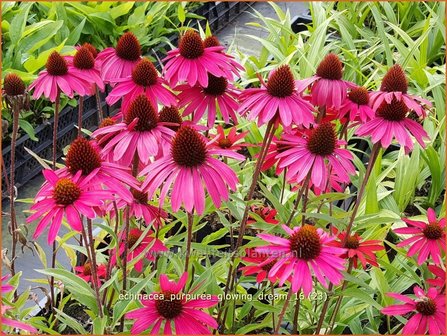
(58, 78)
(139, 208)
(144, 80)
(85, 272)
(137, 245)
(439, 277)
(171, 306)
(140, 133)
(357, 248)
(83, 65)
(218, 95)
(428, 238)
(259, 264)
(266, 213)
(317, 152)
(306, 250)
(395, 86)
(428, 312)
(279, 98)
(13, 85)
(84, 157)
(229, 141)
(328, 87)
(65, 197)
(392, 122)
(171, 116)
(118, 62)
(356, 105)
(191, 62)
(190, 167)
(5, 321)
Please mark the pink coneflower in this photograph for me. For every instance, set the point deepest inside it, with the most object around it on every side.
(439, 279)
(169, 306)
(395, 86)
(140, 132)
(391, 122)
(117, 63)
(140, 208)
(275, 148)
(229, 141)
(58, 78)
(65, 197)
(356, 105)
(266, 213)
(171, 115)
(84, 157)
(428, 309)
(280, 97)
(319, 152)
(190, 167)
(191, 62)
(4, 321)
(428, 239)
(259, 264)
(357, 248)
(137, 245)
(144, 80)
(211, 42)
(85, 272)
(306, 249)
(218, 95)
(327, 86)
(83, 65)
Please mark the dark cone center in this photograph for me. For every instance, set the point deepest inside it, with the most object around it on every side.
(169, 306)
(188, 148)
(306, 244)
(142, 109)
(140, 197)
(84, 59)
(281, 83)
(211, 41)
(128, 47)
(82, 156)
(13, 85)
(66, 192)
(191, 45)
(352, 242)
(395, 111)
(145, 73)
(216, 85)
(433, 231)
(395, 80)
(322, 140)
(171, 114)
(56, 65)
(359, 96)
(330, 68)
(426, 307)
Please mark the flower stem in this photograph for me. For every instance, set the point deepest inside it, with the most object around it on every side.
(283, 186)
(283, 312)
(296, 314)
(298, 198)
(372, 159)
(189, 239)
(270, 131)
(273, 305)
(340, 298)
(55, 126)
(80, 113)
(98, 105)
(126, 240)
(12, 212)
(91, 244)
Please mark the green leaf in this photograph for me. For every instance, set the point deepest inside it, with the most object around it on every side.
(18, 23)
(28, 128)
(73, 38)
(70, 321)
(181, 13)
